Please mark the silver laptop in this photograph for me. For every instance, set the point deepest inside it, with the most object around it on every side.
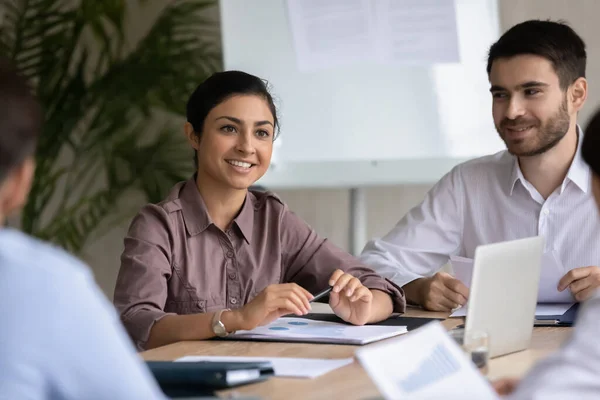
(503, 293)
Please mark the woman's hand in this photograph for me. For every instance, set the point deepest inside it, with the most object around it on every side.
(349, 299)
(273, 302)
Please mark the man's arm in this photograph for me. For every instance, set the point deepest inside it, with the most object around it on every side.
(422, 242)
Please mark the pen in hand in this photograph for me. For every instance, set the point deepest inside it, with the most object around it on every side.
(321, 294)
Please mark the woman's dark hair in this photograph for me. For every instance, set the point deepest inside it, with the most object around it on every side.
(590, 148)
(218, 88)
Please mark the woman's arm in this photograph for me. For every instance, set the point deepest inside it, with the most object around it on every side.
(272, 303)
(311, 262)
(176, 328)
(141, 288)
(382, 306)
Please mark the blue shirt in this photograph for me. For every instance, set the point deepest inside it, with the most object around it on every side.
(59, 336)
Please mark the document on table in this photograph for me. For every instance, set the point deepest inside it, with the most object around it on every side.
(424, 364)
(306, 330)
(283, 366)
(552, 271)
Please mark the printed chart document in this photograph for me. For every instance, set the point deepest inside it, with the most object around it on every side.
(424, 364)
(333, 33)
(283, 366)
(306, 330)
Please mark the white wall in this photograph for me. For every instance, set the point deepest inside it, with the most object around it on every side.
(327, 210)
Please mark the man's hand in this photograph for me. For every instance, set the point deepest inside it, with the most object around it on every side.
(441, 292)
(505, 386)
(349, 299)
(581, 281)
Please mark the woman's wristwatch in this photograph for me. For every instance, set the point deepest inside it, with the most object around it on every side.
(217, 326)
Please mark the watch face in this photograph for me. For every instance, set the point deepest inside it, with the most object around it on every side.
(217, 326)
(219, 329)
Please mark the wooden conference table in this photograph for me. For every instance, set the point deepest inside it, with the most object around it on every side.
(351, 381)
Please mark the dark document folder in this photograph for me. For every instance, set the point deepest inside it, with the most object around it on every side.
(567, 319)
(395, 320)
(178, 379)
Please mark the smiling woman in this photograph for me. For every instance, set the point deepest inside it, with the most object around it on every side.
(232, 123)
(215, 257)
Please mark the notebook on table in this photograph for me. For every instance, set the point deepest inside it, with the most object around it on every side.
(179, 379)
(312, 331)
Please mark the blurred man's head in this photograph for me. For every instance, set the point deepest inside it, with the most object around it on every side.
(20, 125)
(590, 150)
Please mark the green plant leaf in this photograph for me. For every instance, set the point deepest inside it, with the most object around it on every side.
(101, 138)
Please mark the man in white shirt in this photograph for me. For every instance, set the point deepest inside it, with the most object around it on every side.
(572, 372)
(538, 186)
(59, 337)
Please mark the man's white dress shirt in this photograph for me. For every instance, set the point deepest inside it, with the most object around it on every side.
(487, 200)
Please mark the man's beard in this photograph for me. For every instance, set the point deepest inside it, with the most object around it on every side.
(548, 135)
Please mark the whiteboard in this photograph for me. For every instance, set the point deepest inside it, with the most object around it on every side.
(368, 123)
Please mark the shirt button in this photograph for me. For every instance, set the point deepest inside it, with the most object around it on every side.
(229, 254)
(233, 300)
(232, 276)
(546, 212)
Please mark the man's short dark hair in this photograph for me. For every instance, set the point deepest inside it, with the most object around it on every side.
(20, 119)
(553, 40)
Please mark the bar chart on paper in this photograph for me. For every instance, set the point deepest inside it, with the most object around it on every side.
(290, 329)
(439, 365)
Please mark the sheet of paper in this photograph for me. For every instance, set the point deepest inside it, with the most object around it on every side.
(552, 272)
(424, 364)
(463, 269)
(306, 330)
(333, 33)
(283, 366)
(542, 309)
(418, 32)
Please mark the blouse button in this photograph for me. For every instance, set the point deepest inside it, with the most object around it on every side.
(233, 300)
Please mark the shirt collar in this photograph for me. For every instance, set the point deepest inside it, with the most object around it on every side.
(579, 171)
(245, 219)
(515, 175)
(197, 219)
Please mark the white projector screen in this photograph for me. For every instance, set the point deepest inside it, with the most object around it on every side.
(367, 123)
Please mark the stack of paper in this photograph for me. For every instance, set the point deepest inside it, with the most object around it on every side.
(306, 330)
